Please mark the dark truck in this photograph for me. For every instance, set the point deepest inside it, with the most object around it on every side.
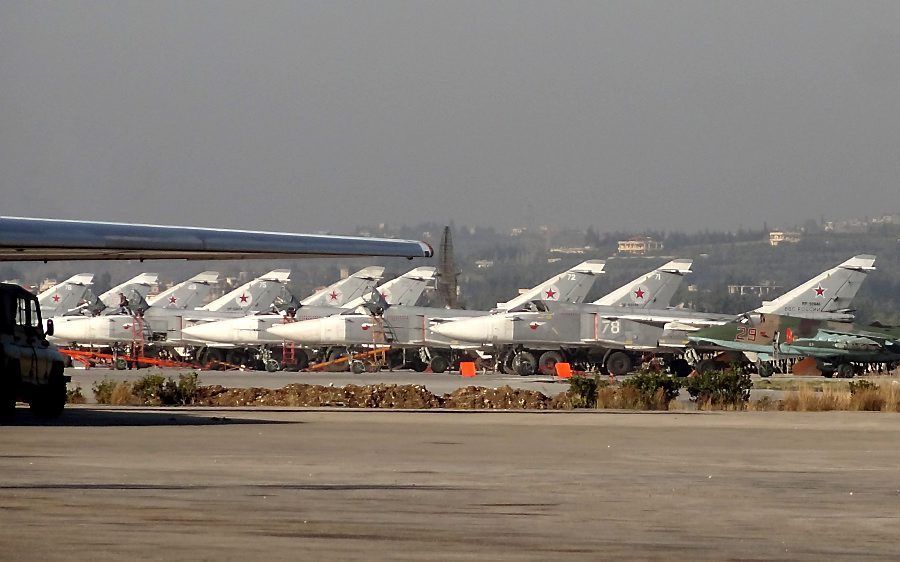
(31, 368)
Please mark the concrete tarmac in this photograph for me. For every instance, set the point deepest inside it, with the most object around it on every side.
(123, 483)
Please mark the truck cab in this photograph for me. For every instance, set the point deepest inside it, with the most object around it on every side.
(31, 368)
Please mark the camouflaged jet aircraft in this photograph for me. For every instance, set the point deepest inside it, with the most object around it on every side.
(834, 345)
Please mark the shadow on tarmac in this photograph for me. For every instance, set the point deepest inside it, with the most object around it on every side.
(105, 417)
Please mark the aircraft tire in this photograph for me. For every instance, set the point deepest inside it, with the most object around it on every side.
(334, 354)
(439, 364)
(272, 365)
(524, 364)
(764, 370)
(845, 371)
(547, 362)
(619, 363)
(705, 366)
(357, 367)
(681, 368)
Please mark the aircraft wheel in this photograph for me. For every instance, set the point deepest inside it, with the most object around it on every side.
(120, 364)
(827, 374)
(503, 362)
(764, 369)
(524, 364)
(439, 364)
(547, 362)
(302, 360)
(272, 365)
(333, 355)
(357, 367)
(681, 368)
(845, 371)
(705, 366)
(619, 363)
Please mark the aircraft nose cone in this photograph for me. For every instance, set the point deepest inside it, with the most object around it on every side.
(475, 330)
(211, 331)
(305, 331)
(70, 329)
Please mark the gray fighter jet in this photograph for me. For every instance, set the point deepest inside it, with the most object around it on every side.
(542, 334)
(249, 334)
(67, 297)
(377, 323)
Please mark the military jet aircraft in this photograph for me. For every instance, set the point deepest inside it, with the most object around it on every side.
(135, 290)
(541, 329)
(835, 345)
(120, 326)
(616, 338)
(410, 327)
(67, 297)
(251, 331)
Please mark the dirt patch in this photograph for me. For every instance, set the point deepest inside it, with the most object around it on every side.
(388, 396)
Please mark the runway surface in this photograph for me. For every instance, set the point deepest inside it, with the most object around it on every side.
(120, 483)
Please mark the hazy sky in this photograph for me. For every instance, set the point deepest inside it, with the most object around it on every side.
(325, 115)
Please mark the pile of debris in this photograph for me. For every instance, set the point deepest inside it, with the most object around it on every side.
(390, 396)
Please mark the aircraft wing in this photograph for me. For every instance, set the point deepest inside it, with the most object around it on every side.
(36, 239)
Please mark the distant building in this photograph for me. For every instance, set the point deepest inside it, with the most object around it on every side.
(639, 245)
(574, 251)
(518, 231)
(484, 264)
(776, 237)
(762, 290)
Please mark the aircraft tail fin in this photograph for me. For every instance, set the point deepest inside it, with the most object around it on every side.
(255, 295)
(66, 296)
(570, 286)
(346, 290)
(651, 290)
(135, 290)
(404, 290)
(187, 294)
(831, 291)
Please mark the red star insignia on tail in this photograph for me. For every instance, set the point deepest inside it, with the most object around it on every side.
(639, 293)
(173, 299)
(55, 298)
(243, 297)
(551, 293)
(820, 290)
(333, 295)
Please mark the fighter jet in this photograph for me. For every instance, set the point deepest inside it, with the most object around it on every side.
(67, 297)
(542, 328)
(122, 326)
(252, 331)
(410, 327)
(616, 338)
(834, 345)
(135, 290)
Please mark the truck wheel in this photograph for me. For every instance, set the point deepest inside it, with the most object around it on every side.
(439, 364)
(547, 362)
(618, 363)
(524, 364)
(49, 400)
(9, 376)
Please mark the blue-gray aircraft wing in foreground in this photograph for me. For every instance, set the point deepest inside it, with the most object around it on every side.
(38, 239)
